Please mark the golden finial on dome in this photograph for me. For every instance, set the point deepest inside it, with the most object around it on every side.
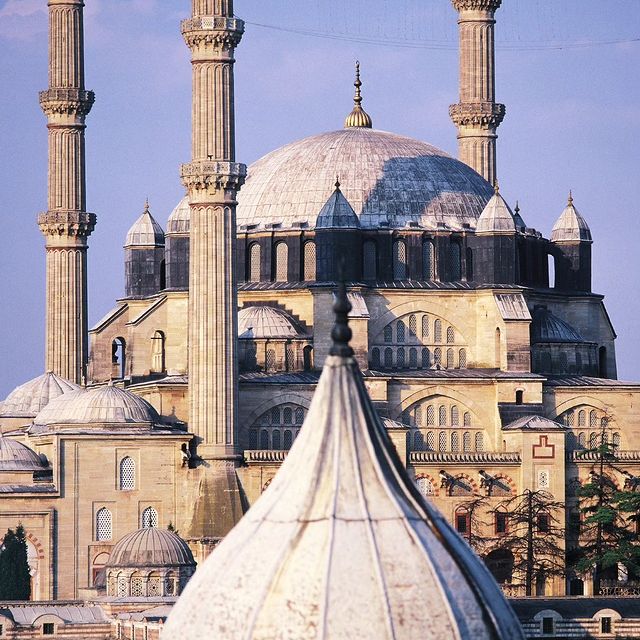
(570, 199)
(358, 117)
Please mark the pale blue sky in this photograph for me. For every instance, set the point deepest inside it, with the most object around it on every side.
(573, 121)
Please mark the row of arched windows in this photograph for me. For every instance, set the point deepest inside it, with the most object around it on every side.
(277, 428)
(414, 358)
(119, 355)
(272, 438)
(104, 522)
(421, 415)
(280, 268)
(418, 329)
(454, 441)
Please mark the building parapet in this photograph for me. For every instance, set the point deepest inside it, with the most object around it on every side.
(470, 457)
(593, 456)
(264, 455)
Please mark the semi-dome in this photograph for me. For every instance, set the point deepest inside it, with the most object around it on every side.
(547, 327)
(15, 456)
(570, 226)
(180, 218)
(151, 547)
(98, 405)
(266, 322)
(496, 217)
(27, 400)
(389, 180)
(145, 231)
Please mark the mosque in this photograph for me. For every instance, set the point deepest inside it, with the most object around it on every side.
(486, 355)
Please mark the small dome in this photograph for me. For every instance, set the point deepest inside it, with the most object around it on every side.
(496, 217)
(180, 218)
(27, 400)
(15, 456)
(151, 547)
(546, 327)
(98, 405)
(570, 226)
(533, 423)
(266, 322)
(337, 213)
(145, 232)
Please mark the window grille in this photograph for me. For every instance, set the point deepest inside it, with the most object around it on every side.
(400, 355)
(170, 586)
(442, 441)
(454, 261)
(616, 440)
(450, 362)
(287, 414)
(462, 521)
(264, 439)
(413, 327)
(136, 587)
(253, 439)
(455, 416)
(425, 327)
(462, 358)
(418, 416)
(388, 358)
(563, 362)
(466, 419)
(543, 479)
(431, 441)
(369, 259)
(426, 358)
(309, 261)
(149, 517)
(291, 357)
(466, 442)
(442, 415)
(275, 439)
(593, 419)
(437, 331)
(425, 486)
(282, 257)
(48, 629)
(450, 335)
(604, 422)
(455, 441)
(254, 262)
(153, 587)
(582, 440)
(388, 333)
(479, 441)
(375, 358)
(299, 415)
(413, 358)
(400, 331)
(431, 415)
(437, 356)
(399, 260)
(418, 441)
(428, 262)
(581, 418)
(570, 418)
(123, 590)
(593, 440)
(127, 474)
(275, 415)
(270, 360)
(287, 440)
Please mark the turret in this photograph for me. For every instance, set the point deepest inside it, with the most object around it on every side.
(144, 257)
(177, 246)
(571, 241)
(338, 243)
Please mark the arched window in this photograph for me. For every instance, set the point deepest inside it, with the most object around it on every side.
(425, 486)
(282, 260)
(602, 362)
(450, 335)
(428, 261)
(375, 358)
(462, 358)
(431, 441)
(581, 418)
(309, 260)
(437, 356)
(418, 416)
(299, 415)
(463, 521)
(425, 327)
(388, 358)
(563, 362)
(270, 360)
(616, 441)
(287, 415)
(275, 439)
(593, 440)
(290, 357)
(399, 260)
(275, 415)
(519, 396)
(287, 440)
(431, 415)
(413, 327)
(388, 333)
(253, 268)
(442, 415)
(582, 440)
(437, 331)
(426, 358)
(253, 439)
(264, 439)
(413, 358)
(454, 260)
(369, 260)
(307, 356)
(455, 416)
(442, 441)
(149, 518)
(400, 331)
(118, 357)
(455, 441)
(466, 442)
(103, 524)
(570, 418)
(498, 348)
(157, 352)
(469, 261)
(479, 441)
(466, 421)
(593, 419)
(127, 474)
(418, 441)
(450, 361)
(400, 358)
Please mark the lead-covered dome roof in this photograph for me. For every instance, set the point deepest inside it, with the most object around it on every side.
(15, 456)
(151, 547)
(99, 405)
(547, 327)
(27, 400)
(389, 180)
(180, 218)
(266, 322)
(145, 231)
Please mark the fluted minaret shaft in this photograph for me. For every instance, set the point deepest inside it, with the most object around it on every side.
(212, 180)
(477, 115)
(66, 225)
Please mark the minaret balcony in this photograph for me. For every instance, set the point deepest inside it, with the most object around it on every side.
(479, 114)
(70, 101)
(215, 30)
(207, 174)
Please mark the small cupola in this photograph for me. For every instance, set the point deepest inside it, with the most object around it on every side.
(496, 217)
(337, 213)
(145, 231)
(571, 226)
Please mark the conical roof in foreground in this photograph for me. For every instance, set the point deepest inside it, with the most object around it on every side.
(341, 545)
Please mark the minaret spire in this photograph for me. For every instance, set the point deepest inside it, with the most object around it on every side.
(212, 179)
(477, 115)
(66, 225)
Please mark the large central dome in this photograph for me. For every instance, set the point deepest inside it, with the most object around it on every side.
(389, 180)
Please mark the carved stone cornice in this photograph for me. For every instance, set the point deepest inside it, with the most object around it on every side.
(76, 102)
(67, 223)
(476, 5)
(593, 456)
(224, 33)
(477, 114)
(264, 455)
(444, 457)
(207, 174)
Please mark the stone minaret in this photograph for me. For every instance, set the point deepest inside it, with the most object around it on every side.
(212, 180)
(66, 225)
(477, 115)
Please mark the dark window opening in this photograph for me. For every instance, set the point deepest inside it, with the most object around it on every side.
(519, 396)
(462, 522)
(48, 629)
(605, 625)
(547, 625)
(502, 523)
(543, 523)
